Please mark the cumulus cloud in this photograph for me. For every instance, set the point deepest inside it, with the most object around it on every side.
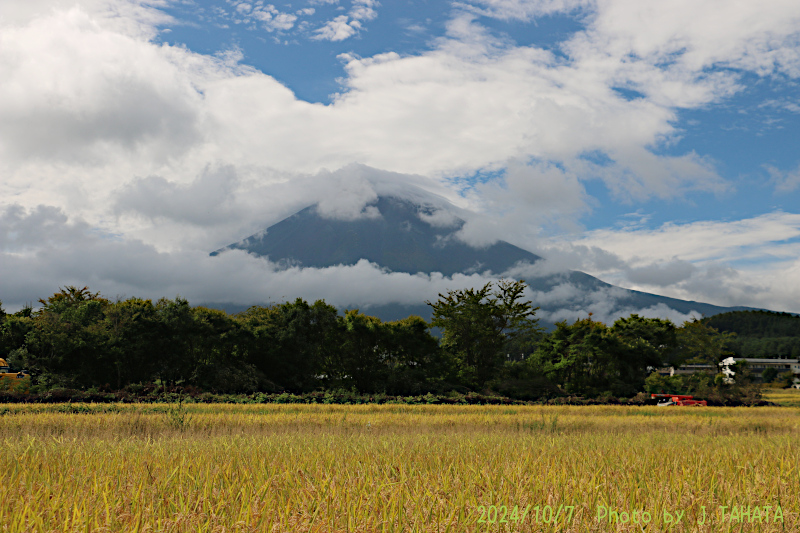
(73, 90)
(606, 308)
(210, 199)
(765, 235)
(364, 9)
(111, 99)
(265, 16)
(351, 199)
(25, 231)
(758, 38)
(750, 262)
(346, 194)
(438, 217)
(784, 181)
(337, 29)
(345, 26)
(224, 203)
(525, 200)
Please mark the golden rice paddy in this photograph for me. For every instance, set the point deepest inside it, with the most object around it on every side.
(784, 397)
(382, 468)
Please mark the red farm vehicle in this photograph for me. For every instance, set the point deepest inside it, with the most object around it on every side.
(676, 399)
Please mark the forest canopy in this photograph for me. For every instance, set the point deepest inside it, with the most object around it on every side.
(760, 333)
(491, 342)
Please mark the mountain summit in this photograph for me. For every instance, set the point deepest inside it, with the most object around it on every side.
(393, 234)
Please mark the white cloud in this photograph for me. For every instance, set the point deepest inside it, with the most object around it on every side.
(364, 9)
(351, 199)
(209, 200)
(345, 26)
(224, 203)
(439, 218)
(751, 262)
(42, 249)
(607, 312)
(784, 181)
(662, 274)
(138, 19)
(703, 241)
(74, 90)
(680, 37)
(280, 22)
(528, 199)
(267, 15)
(492, 103)
(338, 29)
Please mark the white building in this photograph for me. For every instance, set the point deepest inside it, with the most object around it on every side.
(755, 365)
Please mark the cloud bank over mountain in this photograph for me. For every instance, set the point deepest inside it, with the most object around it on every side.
(47, 246)
(125, 159)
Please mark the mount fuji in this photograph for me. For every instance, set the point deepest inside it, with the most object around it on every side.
(411, 236)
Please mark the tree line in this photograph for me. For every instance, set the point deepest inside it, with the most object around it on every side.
(760, 333)
(490, 340)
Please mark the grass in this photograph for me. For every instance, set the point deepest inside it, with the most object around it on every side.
(368, 468)
(784, 397)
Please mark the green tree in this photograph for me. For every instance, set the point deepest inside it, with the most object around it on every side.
(577, 357)
(415, 362)
(698, 342)
(477, 325)
(294, 345)
(769, 374)
(132, 332)
(398, 357)
(587, 357)
(66, 342)
(220, 364)
(13, 331)
(642, 345)
(179, 340)
(365, 352)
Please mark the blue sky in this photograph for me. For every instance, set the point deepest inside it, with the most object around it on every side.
(653, 144)
(306, 65)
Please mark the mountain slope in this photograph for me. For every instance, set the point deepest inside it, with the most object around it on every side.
(760, 333)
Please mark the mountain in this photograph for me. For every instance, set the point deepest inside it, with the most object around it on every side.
(403, 235)
(398, 239)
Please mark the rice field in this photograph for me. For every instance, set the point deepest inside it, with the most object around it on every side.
(382, 468)
(784, 397)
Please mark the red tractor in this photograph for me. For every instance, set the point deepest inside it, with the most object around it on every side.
(676, 399)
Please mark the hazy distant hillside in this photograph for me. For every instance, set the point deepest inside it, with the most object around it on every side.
(760, 333)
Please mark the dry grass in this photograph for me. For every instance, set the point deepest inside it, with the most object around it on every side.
(783, 397)
(393, 468)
